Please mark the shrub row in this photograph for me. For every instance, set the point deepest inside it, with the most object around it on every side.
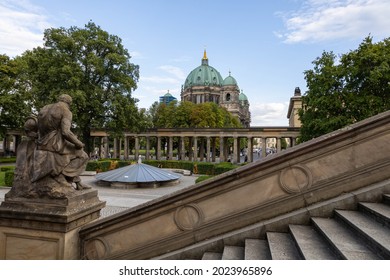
(205, 168)
(9, 178)
(8, 159)
(7, 168)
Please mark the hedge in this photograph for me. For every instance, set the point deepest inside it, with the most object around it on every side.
(8, 159)
(9, 178)
(223, 167)
(204, 168)
(7, 168)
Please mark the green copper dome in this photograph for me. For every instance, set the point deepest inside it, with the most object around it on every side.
(229, 81)
(204, 75)
(242, 97)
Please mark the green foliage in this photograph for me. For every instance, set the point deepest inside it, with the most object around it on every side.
(173, 164)
(13, 90)
(87, 63)
(203, 178)
(189, 115)
(98, 166)
(7, 168)
(9, 178)
(8, 160)
(206, 168)
(2, 181)
(92, 165)
(346, 90)
(223, 167)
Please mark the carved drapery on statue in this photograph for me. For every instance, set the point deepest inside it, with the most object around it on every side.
(50, 161)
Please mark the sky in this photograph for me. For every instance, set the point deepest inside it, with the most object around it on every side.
(266, 45)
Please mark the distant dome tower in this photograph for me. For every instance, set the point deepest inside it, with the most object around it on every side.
(205, 84)
(245, 115)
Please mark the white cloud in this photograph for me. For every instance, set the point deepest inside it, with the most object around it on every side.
(136, 55)
(175, 71)
(269, 114)
(21, 27)
(321, 20)
(158, 79)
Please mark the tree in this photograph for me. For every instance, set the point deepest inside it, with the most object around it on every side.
(352, 89)
(95, 69)
(15, 101)
(190, 115)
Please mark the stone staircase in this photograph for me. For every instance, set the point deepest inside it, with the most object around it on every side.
(361, 232)
(326, 198)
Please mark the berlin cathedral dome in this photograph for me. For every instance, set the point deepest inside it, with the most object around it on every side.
(205, 84)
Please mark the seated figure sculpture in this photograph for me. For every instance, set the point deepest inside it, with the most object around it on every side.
(55, 159)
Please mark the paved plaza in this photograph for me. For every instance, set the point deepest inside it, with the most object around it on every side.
(121, 199)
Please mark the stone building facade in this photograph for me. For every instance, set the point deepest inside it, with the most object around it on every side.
(205, 84)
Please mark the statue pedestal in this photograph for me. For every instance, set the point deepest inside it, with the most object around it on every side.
(46, 229)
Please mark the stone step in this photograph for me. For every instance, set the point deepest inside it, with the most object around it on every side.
(211, 256)
(233, 253)
(375, 234)
(311, 244)
(256, 249)
(282, 246)
(379, 211)
(343, 240)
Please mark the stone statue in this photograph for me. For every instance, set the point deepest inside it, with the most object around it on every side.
(49, 163)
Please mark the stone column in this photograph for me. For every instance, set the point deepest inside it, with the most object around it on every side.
(293, 141)
(170, 148)
(120, 147)
(136, 148)
(201, 149)
(279, 144)
(195, 148)
(126, 148)
(226, 148)
(115, 148)
(208, 149)
(222, 156)
(250, 149)
(158, 148)
(147, 154)
(236, 150)
(213, 149)
(263, 147)
(182, 149)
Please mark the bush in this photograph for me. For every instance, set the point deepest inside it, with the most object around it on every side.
(205, 168)
(7, 168)
(123, 163)
(172, 164)
(223, 167)
(8, 160)
(9, 178)
(202, 178)
(92, 165)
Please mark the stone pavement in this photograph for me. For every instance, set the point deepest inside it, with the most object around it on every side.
(118, 200)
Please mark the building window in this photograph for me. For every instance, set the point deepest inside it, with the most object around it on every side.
(228, 97)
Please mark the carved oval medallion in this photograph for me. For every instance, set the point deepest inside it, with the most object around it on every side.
(188, 217)
(296, 178)
(96, 249)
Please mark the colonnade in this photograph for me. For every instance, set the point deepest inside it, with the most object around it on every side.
(195, 144)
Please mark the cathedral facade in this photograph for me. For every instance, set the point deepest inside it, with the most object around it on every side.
(205, 84)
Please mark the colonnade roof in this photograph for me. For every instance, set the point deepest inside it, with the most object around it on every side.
(210, 132)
